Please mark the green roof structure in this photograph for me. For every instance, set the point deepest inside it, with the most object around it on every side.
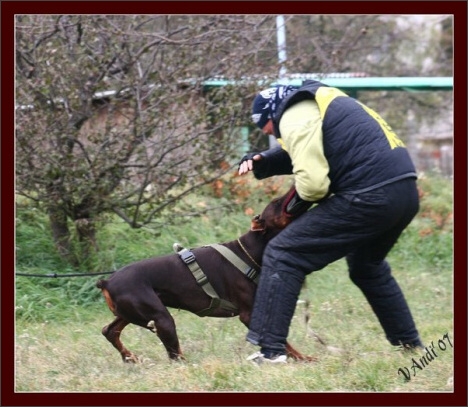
(413, 84)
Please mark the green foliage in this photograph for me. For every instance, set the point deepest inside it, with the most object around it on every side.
(427, 244)
(43, 299)
(34, 245)
(436, 195)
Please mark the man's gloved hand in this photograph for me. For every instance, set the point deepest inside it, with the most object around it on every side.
(274, 161)
(251, 162)
(247, 157)
(294, 206)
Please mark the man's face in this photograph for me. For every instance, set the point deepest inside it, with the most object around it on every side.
(268, 128)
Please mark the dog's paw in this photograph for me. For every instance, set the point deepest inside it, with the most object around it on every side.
(131, 358)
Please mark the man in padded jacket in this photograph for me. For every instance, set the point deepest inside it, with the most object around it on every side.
(355, 192)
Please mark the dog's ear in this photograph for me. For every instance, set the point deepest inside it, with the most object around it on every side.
(257, 224)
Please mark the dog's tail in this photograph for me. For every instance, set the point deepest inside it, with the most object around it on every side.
(101, 284)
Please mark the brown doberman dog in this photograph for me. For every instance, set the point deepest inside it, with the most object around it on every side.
(215, 280)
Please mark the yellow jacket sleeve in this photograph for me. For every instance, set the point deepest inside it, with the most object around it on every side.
(301, 131)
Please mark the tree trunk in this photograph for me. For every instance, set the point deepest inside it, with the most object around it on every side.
(86, 230)
(61, 235)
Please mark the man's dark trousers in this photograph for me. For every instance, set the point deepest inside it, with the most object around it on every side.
(361, 227)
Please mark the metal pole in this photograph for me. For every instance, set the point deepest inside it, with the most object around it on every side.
(281, 40)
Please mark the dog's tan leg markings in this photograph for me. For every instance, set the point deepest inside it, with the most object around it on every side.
(108, 299)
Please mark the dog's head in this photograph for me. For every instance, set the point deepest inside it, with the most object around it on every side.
(273, 219)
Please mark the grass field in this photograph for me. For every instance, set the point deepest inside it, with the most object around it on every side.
(59, 346)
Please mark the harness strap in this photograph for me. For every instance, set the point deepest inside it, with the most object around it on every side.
(189, 259)
(236, 261)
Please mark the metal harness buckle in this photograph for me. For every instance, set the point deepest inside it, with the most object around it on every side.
(251, 273)
(187, 256)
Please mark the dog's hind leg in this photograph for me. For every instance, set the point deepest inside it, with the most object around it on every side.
(112, 333)
(148, 311)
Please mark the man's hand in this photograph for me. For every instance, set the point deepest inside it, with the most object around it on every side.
(274, 161)
(247, 162)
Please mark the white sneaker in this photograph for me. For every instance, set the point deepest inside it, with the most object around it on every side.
(259, 358)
